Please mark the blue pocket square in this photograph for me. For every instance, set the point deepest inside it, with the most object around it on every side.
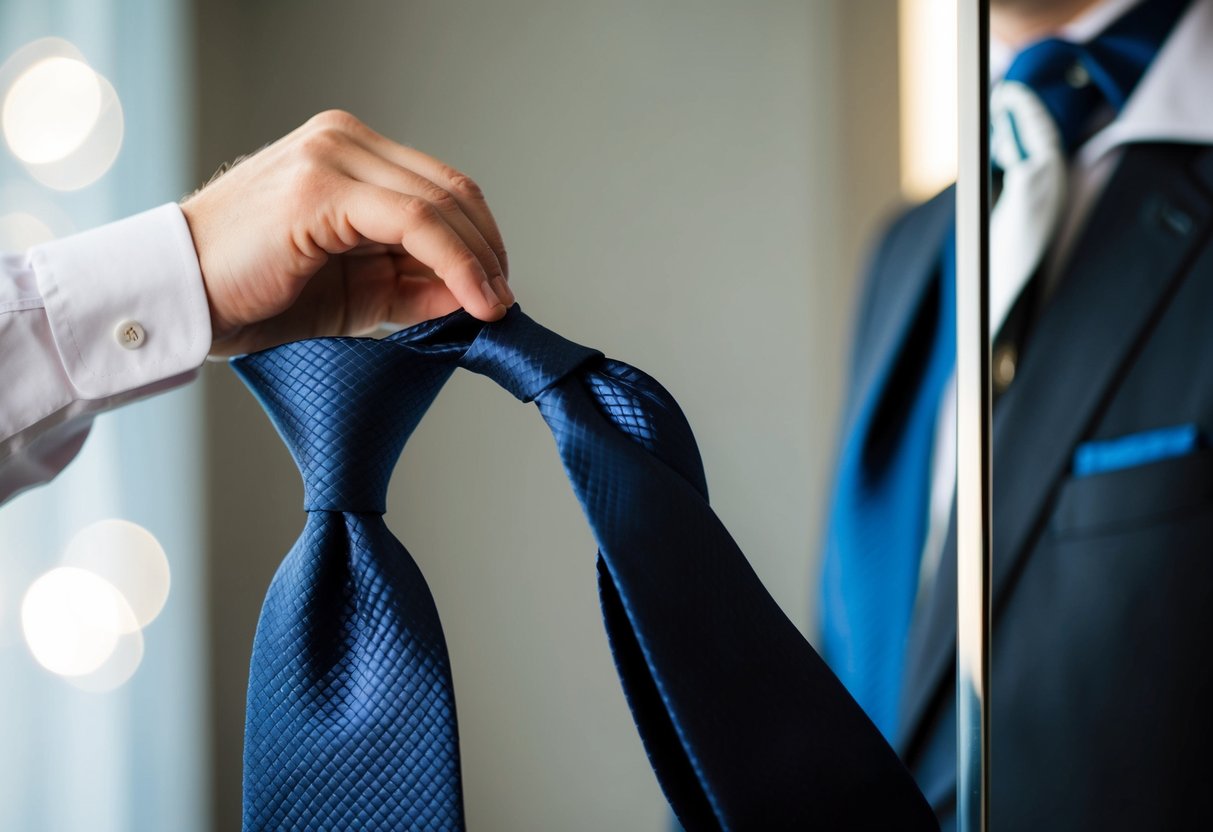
(1105, 455)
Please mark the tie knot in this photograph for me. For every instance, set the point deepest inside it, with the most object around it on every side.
(1074, 81)
(522, 356)
(344, 408)
(1069, 83)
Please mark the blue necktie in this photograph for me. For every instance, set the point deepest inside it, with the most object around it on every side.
(351, 718)
(878, 521)
(1075, 80)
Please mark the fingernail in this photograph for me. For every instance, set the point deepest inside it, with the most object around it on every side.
(490, 295)
(503, 290)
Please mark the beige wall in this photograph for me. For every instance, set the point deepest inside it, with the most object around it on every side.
(684, 185)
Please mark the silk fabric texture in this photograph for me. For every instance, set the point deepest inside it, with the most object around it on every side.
(351, 720)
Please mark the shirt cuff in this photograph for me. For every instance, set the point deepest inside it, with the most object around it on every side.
(125, 302)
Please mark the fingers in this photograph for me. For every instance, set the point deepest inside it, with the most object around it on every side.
(330, 195)
(378, 291)
(441, 217)
(418, 299)
(386, 216)
(375, 250)
(366, 166)
(461, 188)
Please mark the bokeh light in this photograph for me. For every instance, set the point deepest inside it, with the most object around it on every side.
(60, 118)
(115, 671)
(30, 214)
(72, 620)
(20, 230)
(130, 558)
(84, 619)
(51, 109)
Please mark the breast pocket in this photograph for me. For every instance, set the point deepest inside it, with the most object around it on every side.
(1136, 497)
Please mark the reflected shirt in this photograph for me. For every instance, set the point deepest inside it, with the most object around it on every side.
(1169, 104)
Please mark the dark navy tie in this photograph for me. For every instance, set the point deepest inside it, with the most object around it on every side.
(1075, 80)
(351, 718)
(878, 522)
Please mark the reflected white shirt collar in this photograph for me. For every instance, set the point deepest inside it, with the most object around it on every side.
(1169, 103)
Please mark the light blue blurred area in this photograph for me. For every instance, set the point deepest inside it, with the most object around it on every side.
(133, 759)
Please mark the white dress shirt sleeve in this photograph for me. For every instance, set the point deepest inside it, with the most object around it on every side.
(87, 323)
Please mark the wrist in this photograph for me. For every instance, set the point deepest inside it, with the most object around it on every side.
(125, 302)
(194, 214)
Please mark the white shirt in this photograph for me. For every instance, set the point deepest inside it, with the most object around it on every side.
(1171, 103)
(87, 323)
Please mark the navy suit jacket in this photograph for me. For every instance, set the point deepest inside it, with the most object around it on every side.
(1102, 674)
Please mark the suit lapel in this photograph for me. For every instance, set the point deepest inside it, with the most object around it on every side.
(1136, 246)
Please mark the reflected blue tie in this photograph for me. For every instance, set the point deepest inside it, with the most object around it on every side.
(878, 521)
(351, 718)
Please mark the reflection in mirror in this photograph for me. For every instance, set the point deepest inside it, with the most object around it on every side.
(1099, 274)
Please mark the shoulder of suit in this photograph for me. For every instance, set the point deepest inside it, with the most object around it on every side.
(932, 216)
(912, 235)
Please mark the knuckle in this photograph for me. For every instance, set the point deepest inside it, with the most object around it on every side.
(336, 120)
(322, 145)
(418, 211)
(445, 173)
(308, 179)
(465, 186)
(441, 199)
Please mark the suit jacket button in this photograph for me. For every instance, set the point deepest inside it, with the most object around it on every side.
(1003, 371)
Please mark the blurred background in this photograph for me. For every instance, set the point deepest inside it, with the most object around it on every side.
(686, 184)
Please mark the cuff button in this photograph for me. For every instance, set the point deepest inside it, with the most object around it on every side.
(130, 335)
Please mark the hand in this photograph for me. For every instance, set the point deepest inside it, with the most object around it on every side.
(334, 230)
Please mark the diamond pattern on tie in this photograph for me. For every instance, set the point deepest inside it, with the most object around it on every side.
(638, 406)
(351, 714)
(347, 620)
